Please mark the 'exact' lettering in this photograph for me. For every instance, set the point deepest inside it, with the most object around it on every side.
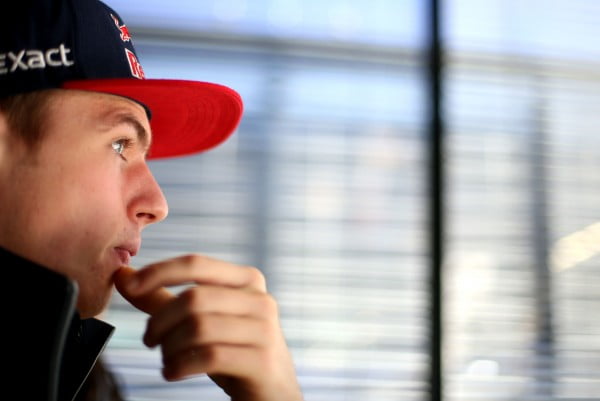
(24, 60)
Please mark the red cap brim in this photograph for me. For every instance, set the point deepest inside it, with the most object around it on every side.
(187, 116)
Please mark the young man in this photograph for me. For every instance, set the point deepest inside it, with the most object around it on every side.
(78, 120)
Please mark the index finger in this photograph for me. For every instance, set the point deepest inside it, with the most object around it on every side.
(196, 269)
(149, 302)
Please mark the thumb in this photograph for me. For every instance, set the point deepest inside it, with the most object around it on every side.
(149, 303)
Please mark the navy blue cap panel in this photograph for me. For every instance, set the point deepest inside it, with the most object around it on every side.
(103, 44)
(36, 50)
(62, 40)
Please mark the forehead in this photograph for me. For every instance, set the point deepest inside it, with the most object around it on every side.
(97, 108)
(106, 105)
(96, 103)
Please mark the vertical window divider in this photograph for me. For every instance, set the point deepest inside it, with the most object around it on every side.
(435, 154)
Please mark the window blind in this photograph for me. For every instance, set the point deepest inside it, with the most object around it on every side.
(522, 111)
(322, 188)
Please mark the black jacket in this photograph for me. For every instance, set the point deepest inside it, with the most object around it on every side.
(48, 350)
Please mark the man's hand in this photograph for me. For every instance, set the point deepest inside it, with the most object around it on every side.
(226, 325)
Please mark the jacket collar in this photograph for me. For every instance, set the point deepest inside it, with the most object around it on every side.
(50, 349)
(85, 341)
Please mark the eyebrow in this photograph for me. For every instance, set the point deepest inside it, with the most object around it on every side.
(113, 119)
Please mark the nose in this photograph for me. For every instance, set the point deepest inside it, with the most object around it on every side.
(148, 204)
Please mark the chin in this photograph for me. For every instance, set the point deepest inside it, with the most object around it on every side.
(93, 304)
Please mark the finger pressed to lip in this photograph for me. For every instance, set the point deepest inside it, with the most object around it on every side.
(196, 269)
(149, 302)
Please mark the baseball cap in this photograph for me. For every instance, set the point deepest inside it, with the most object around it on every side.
(85, 45)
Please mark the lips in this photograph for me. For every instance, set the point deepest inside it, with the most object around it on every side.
(124, 256)
(126, 251)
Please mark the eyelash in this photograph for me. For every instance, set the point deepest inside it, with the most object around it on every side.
(123, 143)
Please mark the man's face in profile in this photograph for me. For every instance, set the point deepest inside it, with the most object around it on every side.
(78, 202)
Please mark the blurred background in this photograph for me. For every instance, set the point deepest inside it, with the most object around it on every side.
(324, 187)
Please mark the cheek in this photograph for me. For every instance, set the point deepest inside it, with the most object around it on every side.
(87, 201)
(77, 218)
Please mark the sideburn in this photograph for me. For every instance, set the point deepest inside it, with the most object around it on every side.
(26, 116)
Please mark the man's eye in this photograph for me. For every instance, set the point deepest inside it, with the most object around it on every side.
(120, 145)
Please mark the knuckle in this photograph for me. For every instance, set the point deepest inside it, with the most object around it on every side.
(194, 259)
(256, 276)
(267, 331)
(198, 327)
(270, 335)
(268, 305)
(214, 357)
(267, 361)
(191, 260)
(189, 300)
(192, 297)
